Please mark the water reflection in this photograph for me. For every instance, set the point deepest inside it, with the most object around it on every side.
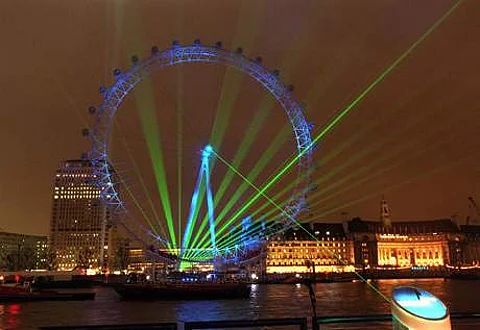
(10, 316)
(267, 301)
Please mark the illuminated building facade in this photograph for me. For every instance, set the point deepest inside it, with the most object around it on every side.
(404, 244)
(22, 252)
(374, 245)
(293, 252)
(80, 230)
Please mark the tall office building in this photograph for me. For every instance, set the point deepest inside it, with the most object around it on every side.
(80, 228)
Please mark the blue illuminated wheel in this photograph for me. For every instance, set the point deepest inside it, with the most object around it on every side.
(177, 54)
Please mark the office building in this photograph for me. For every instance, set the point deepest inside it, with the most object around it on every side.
(80, 228)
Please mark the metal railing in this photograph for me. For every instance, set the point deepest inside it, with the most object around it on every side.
(151, 326)
(302, 323)
(384, 318)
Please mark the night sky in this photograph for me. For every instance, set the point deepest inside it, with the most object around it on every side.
(414, 138)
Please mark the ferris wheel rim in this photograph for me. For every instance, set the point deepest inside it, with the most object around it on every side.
(126, 81)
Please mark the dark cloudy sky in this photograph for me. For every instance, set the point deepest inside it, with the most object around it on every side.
(414, 138)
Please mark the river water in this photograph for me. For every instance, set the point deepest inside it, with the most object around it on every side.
(267, 301)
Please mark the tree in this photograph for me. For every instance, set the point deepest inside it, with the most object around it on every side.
(51, 260)
(3, 257)
(122, 259)
(27, 258)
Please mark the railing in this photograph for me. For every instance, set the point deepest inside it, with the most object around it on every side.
(157, 326)
(302, 323)
(384, 318)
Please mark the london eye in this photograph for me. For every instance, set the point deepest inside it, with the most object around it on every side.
(220, 238)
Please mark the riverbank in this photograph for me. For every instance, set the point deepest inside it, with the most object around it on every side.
(375, 274)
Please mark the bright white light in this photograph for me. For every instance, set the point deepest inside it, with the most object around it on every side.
(253, 276)
(91, 272)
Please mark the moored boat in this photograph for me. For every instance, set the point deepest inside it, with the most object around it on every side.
(170, 290)
(25, 293)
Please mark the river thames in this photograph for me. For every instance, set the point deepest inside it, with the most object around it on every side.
(267, 301)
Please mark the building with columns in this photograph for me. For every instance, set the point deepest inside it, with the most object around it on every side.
(361, 244)
(403, 244)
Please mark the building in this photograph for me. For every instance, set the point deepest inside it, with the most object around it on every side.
(404, 244)
(80, 228)
(22, 252)
(471, 247)
(325, 244)
(374, 245)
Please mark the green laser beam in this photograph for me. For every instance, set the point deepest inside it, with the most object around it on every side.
(435, 136)
(344, 112)
(135, 201)
(415, 154)
(390, 153)
(273, 148)
(151, 132)
(141, 180)
(250, 135)
(332, 252)
(180, 111)
(434, 171)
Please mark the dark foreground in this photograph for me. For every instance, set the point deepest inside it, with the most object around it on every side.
(267, 301)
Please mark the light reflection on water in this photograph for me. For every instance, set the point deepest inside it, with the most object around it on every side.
(267, 301)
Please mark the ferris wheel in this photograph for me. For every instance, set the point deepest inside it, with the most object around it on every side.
(125, 82)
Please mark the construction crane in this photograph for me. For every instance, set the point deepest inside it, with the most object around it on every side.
(474, 207)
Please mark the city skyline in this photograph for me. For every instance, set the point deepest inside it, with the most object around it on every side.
(423, 116)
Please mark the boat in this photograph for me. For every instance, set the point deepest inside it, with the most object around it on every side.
(62, 282)
(18, 293)
(170, 290)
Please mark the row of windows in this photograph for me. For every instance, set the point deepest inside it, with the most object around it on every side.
(302, 263)
(306, 243)
(316, 257)
(312, 248)
(301, 255)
